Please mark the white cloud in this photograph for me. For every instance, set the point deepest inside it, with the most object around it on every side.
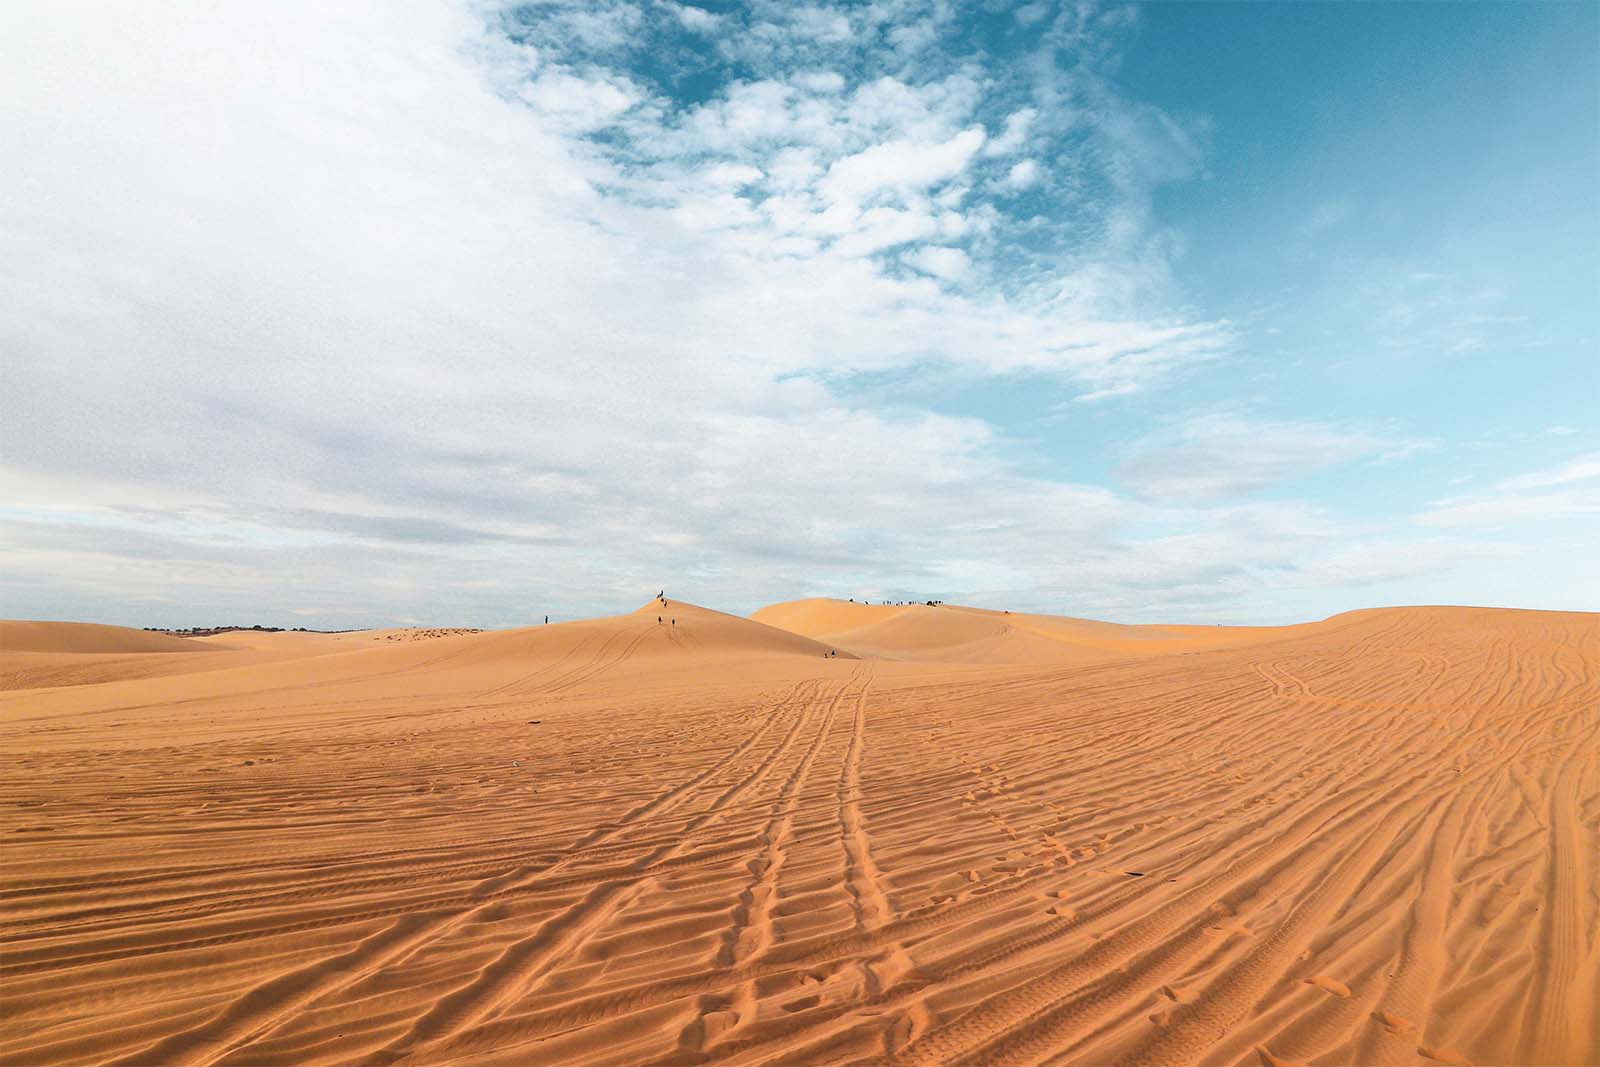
(1505, 508)
(819, 23)
(1023, 175)
(1520, 499)
(950, 264)
(696, 18)
(1213, 457)
(902, 166)
(1579, 469)
(1014, 135)
(821, 81)
(369, 302)
(578, 104)
(884, 227)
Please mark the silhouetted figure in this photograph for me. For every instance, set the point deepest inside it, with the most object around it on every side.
(674, 622)
(547, 620)
(658, 620)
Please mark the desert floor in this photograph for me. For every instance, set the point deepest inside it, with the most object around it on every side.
(969, 837)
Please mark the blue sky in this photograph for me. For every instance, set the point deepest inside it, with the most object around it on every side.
(470, 312)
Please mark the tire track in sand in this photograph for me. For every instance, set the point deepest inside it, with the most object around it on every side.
(256, 1012)
(516, 972)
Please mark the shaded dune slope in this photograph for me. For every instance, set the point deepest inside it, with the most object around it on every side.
(1367, 840)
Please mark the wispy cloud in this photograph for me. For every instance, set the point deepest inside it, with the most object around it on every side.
(1546, 495)
(1216, 457)
(1580, 469)
(1326, 216)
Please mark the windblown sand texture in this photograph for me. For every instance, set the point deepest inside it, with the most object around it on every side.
(971, 837)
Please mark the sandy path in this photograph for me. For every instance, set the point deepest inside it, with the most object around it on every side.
(1369, 840)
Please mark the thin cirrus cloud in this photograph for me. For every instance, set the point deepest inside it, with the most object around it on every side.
(1570, 490)
(1217, 457)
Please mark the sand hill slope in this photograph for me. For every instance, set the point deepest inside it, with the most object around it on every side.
(503, 667)
(83, 662)
(1373, 839)
(18, 635)
(955, 634)
(656, 634)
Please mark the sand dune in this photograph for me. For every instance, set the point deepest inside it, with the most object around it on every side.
(954, 634)
(18, 635)
(992, 839)
(88, 655)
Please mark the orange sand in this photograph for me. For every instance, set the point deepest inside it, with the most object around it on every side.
(991, 838)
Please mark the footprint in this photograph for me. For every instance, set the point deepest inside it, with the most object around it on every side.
(804, 1003)
(911, 1024)
(719, 1023)
(1064, 911)
(1395, 1024)
(1331, 985)
(1455, 1059)
(706, 1029)
(1177, 994)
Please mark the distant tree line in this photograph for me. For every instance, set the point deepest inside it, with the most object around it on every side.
(208, 631)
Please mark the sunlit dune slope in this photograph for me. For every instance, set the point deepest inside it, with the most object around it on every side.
(1373, 839)
(819, 616)
(656, 634)
(23, 636)
(38, 654)
(956, 634)
(87, 665)
(505, 666)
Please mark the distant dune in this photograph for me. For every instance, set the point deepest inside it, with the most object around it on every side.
(991, 839)
(954, 634)
(22, 636)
